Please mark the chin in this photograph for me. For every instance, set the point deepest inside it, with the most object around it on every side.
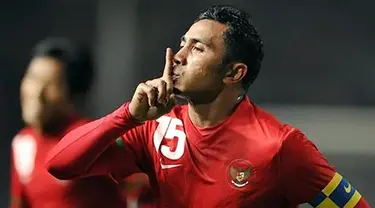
(179, 95)
(33, 116)
(31, 119)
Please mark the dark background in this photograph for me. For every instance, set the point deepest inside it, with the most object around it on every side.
(318, 70)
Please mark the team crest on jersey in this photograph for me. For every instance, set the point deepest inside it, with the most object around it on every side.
(239, 172)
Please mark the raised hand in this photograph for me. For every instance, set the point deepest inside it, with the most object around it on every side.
(154, 98)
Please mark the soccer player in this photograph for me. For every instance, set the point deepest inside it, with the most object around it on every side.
(219, 150)
(58, 73)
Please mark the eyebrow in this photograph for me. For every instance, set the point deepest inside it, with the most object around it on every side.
(196, 40)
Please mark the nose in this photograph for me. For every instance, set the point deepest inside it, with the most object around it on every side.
(36, 91)
(180, 56)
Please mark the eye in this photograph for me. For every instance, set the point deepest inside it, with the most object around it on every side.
(197, 49)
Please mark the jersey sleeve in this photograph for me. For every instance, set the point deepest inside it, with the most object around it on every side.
(129, 152)
(92, 148)
(306, 177)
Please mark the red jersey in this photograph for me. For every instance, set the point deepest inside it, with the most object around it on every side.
(32, 186)
(249, 160)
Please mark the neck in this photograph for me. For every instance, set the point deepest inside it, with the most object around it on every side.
(210, 114)
(55, 125)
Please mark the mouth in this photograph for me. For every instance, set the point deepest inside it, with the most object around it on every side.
(175, 77)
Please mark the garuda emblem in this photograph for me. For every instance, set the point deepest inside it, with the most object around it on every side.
(240, 172)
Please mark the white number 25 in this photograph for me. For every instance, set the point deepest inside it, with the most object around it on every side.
(167, 129)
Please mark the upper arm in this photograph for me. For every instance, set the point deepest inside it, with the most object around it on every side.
(306, 176)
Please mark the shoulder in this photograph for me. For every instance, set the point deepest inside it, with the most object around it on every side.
(25, 135)
(296, 143)
(302, 167)
(299, 155)
(271, 125)
(290, 138)
(268, 128)
(23, 153)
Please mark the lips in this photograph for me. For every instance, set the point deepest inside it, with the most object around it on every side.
(175, 77)
(175, 74)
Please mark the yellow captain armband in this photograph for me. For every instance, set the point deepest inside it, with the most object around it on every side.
(338, 193)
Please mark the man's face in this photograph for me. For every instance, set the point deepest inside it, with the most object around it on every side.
(43, 91)
(198, 72)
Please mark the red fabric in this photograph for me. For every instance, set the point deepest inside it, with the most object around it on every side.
(304, 171)
(79, 153)
(18, 198)
(249, 160)
(32, 186)
(362, 204)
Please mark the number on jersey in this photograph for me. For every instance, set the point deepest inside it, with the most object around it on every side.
(167, 129)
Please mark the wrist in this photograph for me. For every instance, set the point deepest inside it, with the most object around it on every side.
(131, 115)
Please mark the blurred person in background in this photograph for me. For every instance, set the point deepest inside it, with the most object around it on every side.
(219, 150)
(138, 191)
(59, 74)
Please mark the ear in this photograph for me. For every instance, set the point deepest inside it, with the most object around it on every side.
(235, 73)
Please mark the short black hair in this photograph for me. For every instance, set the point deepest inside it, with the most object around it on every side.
(242, 40)
(76, 60)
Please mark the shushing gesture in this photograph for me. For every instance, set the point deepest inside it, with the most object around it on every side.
(154, 98)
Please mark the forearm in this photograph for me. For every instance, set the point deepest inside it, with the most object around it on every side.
(75, 154)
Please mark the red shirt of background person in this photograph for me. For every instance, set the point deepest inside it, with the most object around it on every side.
(219, 150)
(138, 191)
(57, 74)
